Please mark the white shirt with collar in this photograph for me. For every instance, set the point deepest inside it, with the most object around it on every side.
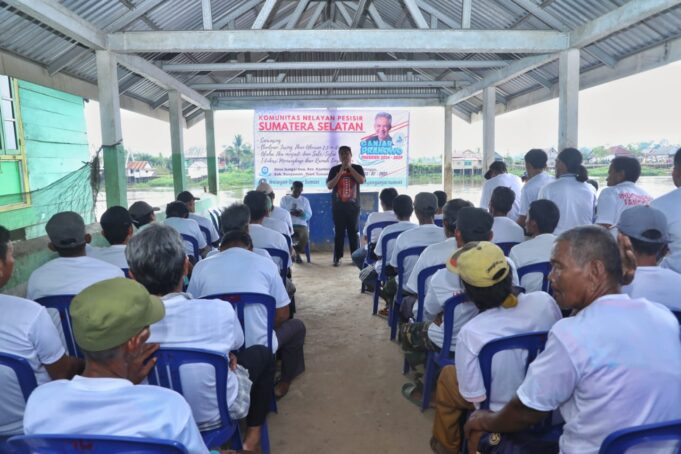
(669, 204)
(535, 311)
(282, 215)
(208, 224)
(506, 230)
(288, 203)
(657, 284)
(530, 191)
(613, 200)
(264, 238)
(202, 324)
(423, 235)
(435, 254)
(27, 331)
(615, 364)
(576, 201)
(504, 179)
(239, 270)
(443, 286)
(400, 226)
(377, 216)
(112, 406)
(186, 226)
(534, 250)
(114, 254)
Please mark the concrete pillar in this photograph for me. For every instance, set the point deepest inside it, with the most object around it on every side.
(177, 141)
(112, 136)
(210, 148)
(568, 105)
(447, 157)
(489, 95)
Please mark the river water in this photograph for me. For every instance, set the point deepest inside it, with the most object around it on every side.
(467, 190)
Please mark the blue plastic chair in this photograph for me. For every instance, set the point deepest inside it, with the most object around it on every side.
(370, 230)
(435, 361)
(25, 378)
(307, 251)
(62, 303)
(620, 441)
(506, 247)
(393, 316)
(678, 315)
(166, 373)
(543, 267)
(126, 271)
(438, 222)
(206, 233)
(195, 245)
(283, 257)
(95, 444)
(380, 279)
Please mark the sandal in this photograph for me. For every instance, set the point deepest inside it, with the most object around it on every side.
(385, 312)
(409, 390)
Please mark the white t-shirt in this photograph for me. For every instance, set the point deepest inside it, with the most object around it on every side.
(400, 226)
(205, 324)
(114, 254)
(535, 311)
(435, 254)
(443, 286)
(277, 225)
(423, 235)
(288, 203)
(208, 224)
(504, 179)
(669, 204)
(112, 406)
(284, 216)
(238, 270)
(188, 227)
(660, 285)
(576, 201)
(378, 216)
(613, 200)
(534, 250)
(27, 331)
(615, 364)
(264, 237)
(530, 191)
(506, 230)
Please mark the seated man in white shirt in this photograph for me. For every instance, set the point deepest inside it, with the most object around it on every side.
(505, 230)
(27, 331)
(263, 237)
(441, 200)
(276, 212)
(615, 363)
(177, 217)
(189, 200)
(237, 216)
(158, 261)
(116, 226)
(669, 205)
(487, 279)
(427, 233)
(238, 270)
(646, 230)
(542, 220)
(111, 325)
(72, 271)
(622, 192)
(386, 198)
(300, 210)
(498, 175)
(535, 166)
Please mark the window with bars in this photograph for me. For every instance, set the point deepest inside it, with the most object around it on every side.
(13, 173)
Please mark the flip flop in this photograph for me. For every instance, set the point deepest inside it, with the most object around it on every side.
(408, 390)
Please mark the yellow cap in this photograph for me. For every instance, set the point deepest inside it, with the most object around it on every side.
(479, 263)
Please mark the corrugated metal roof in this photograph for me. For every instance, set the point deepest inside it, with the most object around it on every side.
(26, 37)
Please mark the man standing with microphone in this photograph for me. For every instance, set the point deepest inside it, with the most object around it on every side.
(344, 180)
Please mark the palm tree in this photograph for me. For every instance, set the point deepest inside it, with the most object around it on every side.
(234, 151)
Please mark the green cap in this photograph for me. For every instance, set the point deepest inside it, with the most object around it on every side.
(109, 313)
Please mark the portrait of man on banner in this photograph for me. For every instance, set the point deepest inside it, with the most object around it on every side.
(383, 122)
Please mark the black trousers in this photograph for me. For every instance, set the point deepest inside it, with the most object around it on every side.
(291, 337)
(259, 361)
(345, 218)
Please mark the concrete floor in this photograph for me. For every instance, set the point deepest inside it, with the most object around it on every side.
(349, 399)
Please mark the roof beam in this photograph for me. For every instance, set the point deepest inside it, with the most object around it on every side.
(324, 85)
(312, 21)
(314, 65)
(359, 13)
(227, 18)
(436, 13)
(344, 12)
(466, 10)
(206, 15)
(297, 14)
(450, 41)
(264, 14)
(416, 14)
(376, 17)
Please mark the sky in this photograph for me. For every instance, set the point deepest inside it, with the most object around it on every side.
(642, 107)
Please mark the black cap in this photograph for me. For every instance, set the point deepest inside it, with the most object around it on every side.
(186, 196)
(140, 209)
(114, 217)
